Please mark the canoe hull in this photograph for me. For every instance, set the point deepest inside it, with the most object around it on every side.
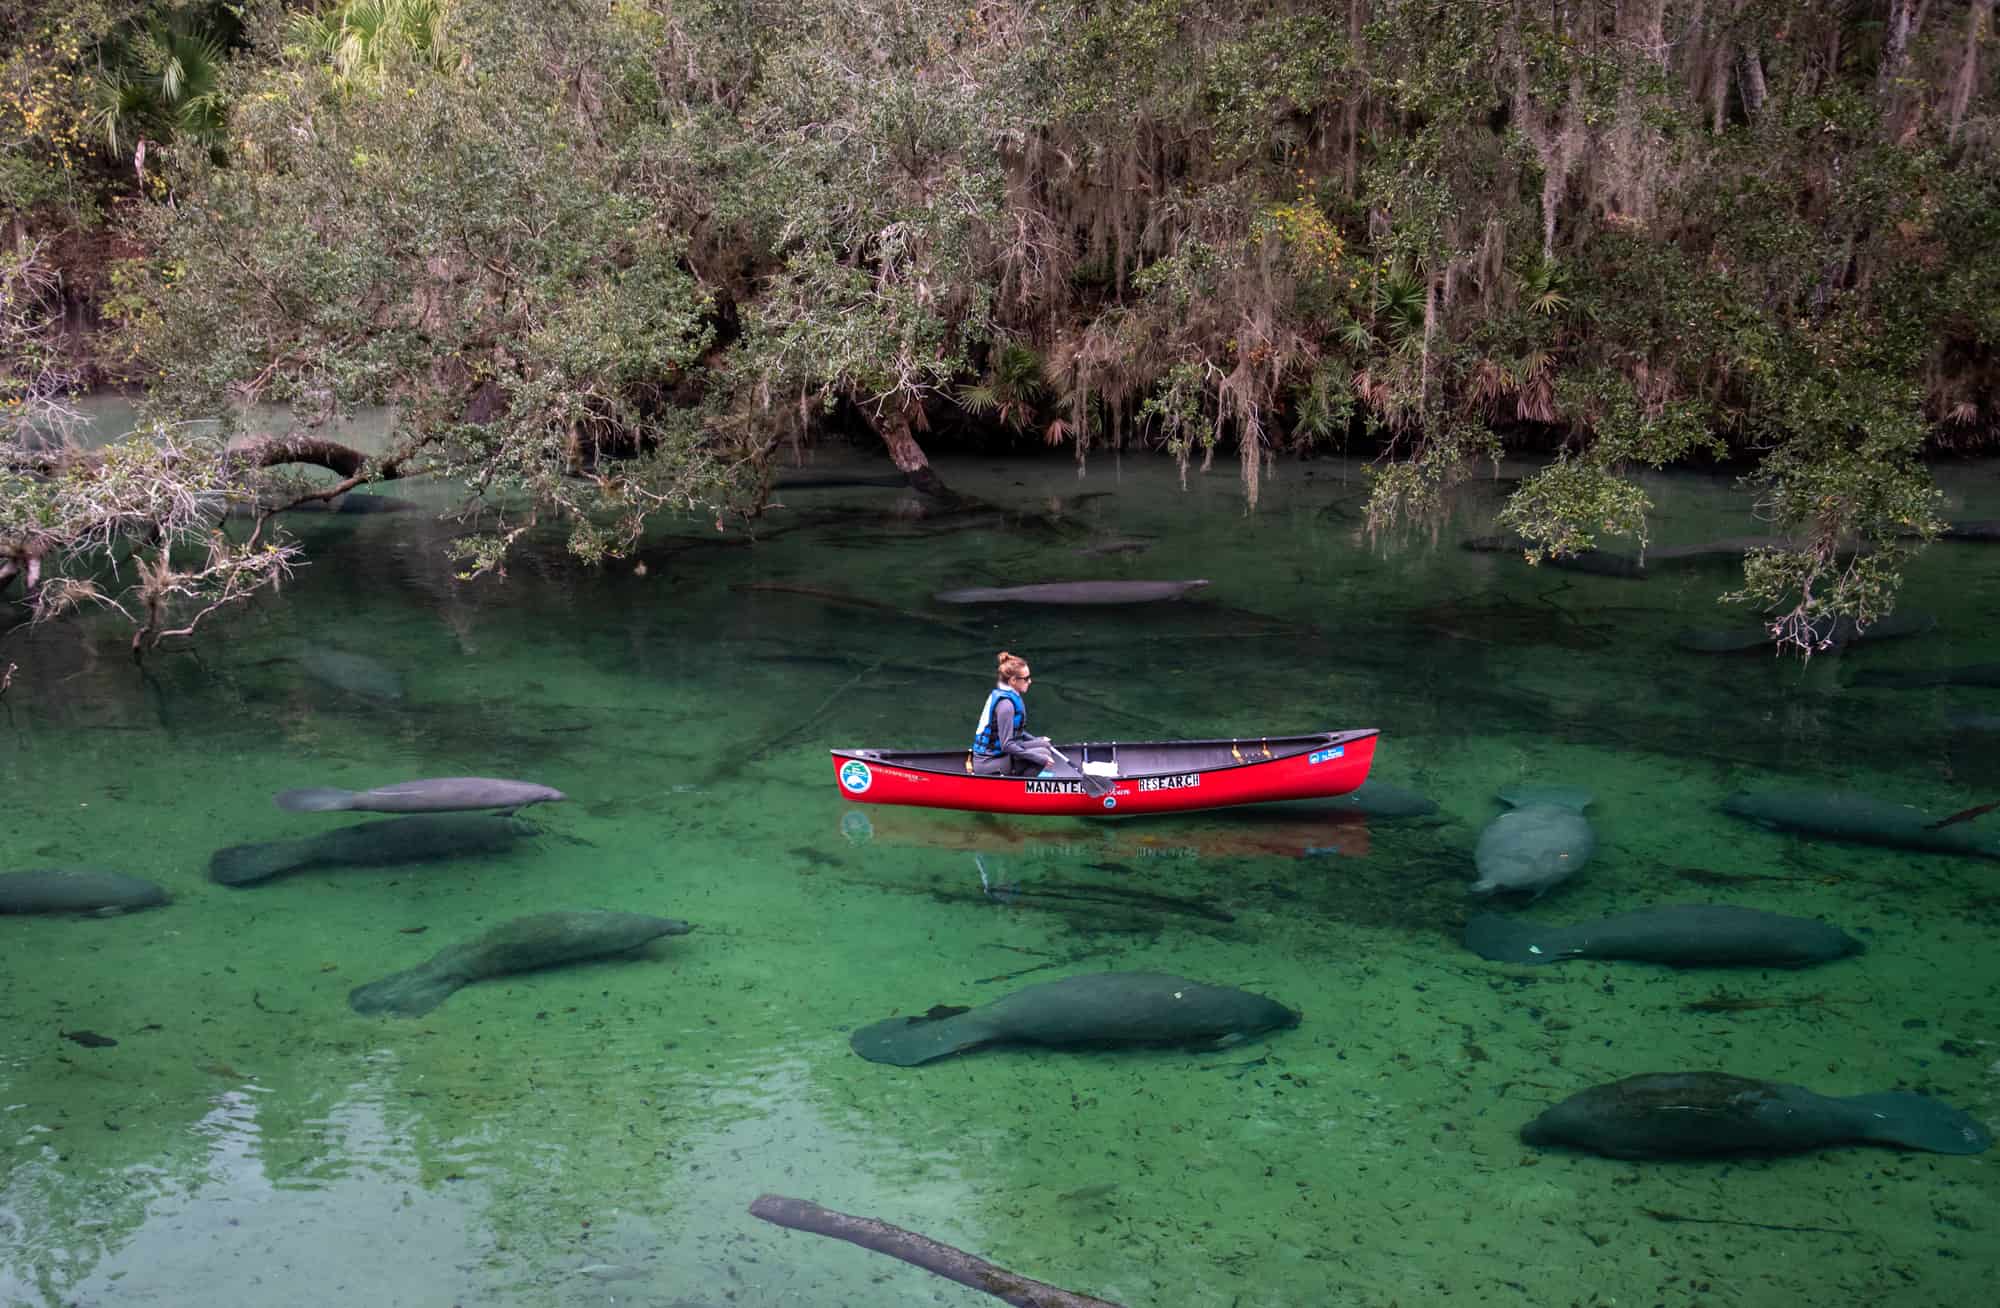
(1156, 776)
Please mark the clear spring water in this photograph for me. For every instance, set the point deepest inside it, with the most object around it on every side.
(593, 1134)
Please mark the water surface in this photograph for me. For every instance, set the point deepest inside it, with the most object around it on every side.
(594, 1134)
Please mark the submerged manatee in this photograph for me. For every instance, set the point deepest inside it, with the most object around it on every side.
(1846, 815)
(1541, 842)
(75, 890)
(1835, 633)
(522, 945)
(1600, 563)
(1675, 1114)
(1967, 674)
(1103, 1008)
(1074, 592)
(1687, 935)
(355, 674)
(431, 795)
(369, 844)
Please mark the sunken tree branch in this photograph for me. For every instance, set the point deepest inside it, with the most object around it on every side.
(920, 1251)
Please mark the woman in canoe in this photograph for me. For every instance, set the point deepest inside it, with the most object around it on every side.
(1001, 746)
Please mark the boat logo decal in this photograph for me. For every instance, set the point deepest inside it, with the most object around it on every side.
(1055, 787)
(1111, 801)
(855, 778)
(1322, 755)
(1179, 781)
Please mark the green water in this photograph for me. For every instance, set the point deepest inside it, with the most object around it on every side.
(594, 1134)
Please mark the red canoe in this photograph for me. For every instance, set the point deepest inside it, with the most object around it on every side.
(1170, 776)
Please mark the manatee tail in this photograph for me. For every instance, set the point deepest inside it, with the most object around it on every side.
(314, 799)
(406, 994)
(1503, 940)
(1912, 1121)
(1560, 796)
(908, 1041)
(242, 865)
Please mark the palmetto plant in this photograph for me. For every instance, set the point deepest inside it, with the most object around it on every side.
(161, 81)
(1012, 388)
(1400, 300)
(357, 37)
(1544, 287)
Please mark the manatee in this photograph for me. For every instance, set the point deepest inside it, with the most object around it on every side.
(432, 795)
(76, 890)
(896, 481)
(1687, 935)
(1384, 800)
(1675, 1114)
(1102, 1008)
(1541, 842)
(355, 674)
(1599, 563)
(522, 945)
(369, 844)
(1729, 548)
(361, 502)
(1846, 815)
(1371, 799)
(1967, 674)
(1972, 529)
(1074, 592)
(1968, 720)
(1834, 633)
(1115, 545)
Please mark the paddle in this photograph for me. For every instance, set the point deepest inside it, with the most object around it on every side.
(1097, 787)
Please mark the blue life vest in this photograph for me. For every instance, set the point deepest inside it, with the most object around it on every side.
(986, 739)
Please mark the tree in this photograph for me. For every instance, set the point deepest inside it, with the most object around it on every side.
(614, 263)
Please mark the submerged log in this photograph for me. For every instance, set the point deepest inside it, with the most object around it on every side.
(920, 1251)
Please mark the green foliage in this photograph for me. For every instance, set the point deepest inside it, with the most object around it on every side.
(159, 80)
(604, 265)
(362, 40)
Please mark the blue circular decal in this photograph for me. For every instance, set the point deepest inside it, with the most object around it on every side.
(855, 778)
(1111, 801)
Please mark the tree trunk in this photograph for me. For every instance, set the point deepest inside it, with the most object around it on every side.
(895, 427)
(1978, 17)
(1750, 76)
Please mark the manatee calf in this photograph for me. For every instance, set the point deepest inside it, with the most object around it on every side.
(432, 795)
(1074, 592)
(1675, 1114)
(1687, 935)
(75, 890)
(522, 945)
(369, 844)
(1103, 1008)
(1846, 815)
(1542, 841)
(1967, 674)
